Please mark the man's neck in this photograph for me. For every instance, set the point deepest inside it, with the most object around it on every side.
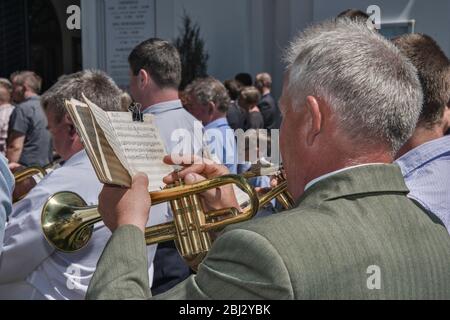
(159, 96)
(29, 94)
(265, 91)
(421, 135)
(254, 109)
(71, 152)
(216, 117)
(331, 162)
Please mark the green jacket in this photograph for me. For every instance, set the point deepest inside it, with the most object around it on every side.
(354, 235)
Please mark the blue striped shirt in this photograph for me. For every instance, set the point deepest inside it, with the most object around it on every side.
(221, 141)
(426, 170)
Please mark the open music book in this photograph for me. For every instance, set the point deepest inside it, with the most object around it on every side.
(119, 147)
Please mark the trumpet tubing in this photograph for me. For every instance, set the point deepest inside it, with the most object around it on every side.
(28, 173)
(68, 224)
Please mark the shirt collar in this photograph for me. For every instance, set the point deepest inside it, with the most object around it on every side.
(76, 158)
(424, 153)
(164, 107)
(311, 183)
(217, 123)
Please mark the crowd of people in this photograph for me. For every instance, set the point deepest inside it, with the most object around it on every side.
(366, 154)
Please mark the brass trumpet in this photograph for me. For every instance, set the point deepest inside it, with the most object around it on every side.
(26, 173)
(279, 192)
(68, 224)
(29, 172)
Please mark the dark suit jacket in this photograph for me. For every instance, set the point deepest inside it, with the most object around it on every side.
(270, 112)
(354, 235)
(170, 268)
(236, 116)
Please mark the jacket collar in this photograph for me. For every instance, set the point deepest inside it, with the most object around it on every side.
(379, 178)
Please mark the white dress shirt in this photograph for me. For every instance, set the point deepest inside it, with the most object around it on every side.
(177, 127)
(30, 268)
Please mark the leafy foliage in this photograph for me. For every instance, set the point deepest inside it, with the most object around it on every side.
(194, 58)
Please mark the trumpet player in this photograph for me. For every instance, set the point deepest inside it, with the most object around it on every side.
(350, 101)
(29, 266)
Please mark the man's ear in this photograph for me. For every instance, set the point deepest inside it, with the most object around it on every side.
(447, 117)
(314, 120)
(72, 130)
(143, 78)
(211, 107)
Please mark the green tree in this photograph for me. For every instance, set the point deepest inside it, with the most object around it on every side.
(194, 58)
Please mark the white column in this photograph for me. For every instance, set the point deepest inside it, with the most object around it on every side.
(93, 34)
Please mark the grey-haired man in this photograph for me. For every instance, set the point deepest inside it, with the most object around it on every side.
(350, 101)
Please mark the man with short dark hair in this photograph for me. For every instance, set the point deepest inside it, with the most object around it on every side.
(425, 158)
(29, 142)
(155, 69)
(267, 105)
(245, 79)
(235, 114)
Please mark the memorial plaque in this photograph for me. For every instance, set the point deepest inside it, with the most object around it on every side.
(128, 23)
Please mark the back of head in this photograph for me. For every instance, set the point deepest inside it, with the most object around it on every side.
(250, 96)
(433, 68)
(263, 80)
(5, 90)
(234, 88)
(160, 59)
(354, 14)
(96, 85)
(244, 79)
(126, 101)
(210, 90)
(370, 86)
(357, 16)
(29, 79)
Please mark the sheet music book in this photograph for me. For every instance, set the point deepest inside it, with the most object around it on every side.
(118, 146)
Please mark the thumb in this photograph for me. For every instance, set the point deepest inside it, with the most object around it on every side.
(209, 195)
(193, 178)
(140, 180)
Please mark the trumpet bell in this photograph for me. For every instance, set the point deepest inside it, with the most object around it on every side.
(58, 222)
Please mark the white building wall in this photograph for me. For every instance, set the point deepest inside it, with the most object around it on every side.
(249, 35)
(432, 17)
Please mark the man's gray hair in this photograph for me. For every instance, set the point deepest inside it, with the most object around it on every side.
(210, 90)
(372, 87)
(96, 85)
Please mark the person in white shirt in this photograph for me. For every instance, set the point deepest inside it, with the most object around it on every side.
(155, 76)
(30, 268)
